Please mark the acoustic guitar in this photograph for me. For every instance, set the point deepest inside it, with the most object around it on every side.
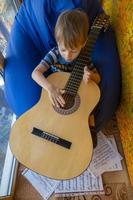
(56, 142)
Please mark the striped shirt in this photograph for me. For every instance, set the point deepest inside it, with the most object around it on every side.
(54, 58)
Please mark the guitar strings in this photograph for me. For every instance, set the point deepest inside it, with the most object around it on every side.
(75, 76)
(78, 70)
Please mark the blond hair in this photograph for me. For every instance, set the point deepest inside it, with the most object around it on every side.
(72, 28)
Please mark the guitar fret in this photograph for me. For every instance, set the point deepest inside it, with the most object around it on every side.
(73, 93)
(78, 71)
(79, 68)
(84, 58)
(93, 34)
(84, 63)
(81, 60)
(77, 76)
(71, 88)
(92, 37)
(87, 61)
(91, 45)
(73, 84)
(95, 30)
(75, 79)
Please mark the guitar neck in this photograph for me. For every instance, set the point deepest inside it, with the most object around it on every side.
(83, 60)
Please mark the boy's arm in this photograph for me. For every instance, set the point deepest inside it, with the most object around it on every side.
(38, 76)
(55, 94)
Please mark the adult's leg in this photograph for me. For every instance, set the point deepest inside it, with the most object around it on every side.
(106, 60)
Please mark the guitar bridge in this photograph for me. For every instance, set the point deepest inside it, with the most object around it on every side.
(52, 138)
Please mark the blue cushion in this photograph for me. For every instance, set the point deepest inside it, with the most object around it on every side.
(32, 36)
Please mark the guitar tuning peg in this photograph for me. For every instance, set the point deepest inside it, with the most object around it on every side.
(106, 27)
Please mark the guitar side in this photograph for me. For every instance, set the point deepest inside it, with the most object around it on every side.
(45, 157)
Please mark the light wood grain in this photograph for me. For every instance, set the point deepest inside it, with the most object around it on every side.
(45, 157)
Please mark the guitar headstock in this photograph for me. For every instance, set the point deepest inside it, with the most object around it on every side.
(101, 22)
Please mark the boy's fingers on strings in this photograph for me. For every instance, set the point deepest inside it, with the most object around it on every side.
(85, 69)
(60, 100)
(62, 91)
(56, 103)
(52, 101)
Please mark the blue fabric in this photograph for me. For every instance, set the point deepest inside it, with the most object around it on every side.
(32, 37)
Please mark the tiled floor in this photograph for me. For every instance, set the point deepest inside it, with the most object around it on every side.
(5, 123)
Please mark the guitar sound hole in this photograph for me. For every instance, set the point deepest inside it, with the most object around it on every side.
(69, 101)
(71, 104)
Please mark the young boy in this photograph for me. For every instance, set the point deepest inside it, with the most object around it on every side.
(71, 33)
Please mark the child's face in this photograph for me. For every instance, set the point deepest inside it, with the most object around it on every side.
(69, 54)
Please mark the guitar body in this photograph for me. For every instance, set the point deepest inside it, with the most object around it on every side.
(48, 158)
(69, 124)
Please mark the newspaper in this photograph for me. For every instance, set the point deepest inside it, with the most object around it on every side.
(105, 158)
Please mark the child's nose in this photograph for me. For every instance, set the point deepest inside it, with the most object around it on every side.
(68, 55)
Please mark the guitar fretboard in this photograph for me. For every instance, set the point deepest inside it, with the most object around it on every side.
(83, 60)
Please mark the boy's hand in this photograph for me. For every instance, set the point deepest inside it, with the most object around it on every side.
(90, 75)
(55, 95)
